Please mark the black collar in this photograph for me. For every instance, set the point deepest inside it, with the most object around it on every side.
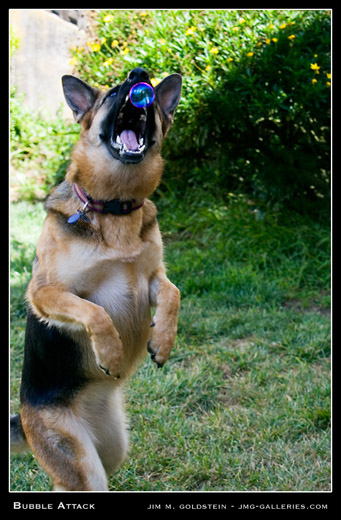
(114, 206)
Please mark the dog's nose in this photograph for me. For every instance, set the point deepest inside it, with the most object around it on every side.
(138, 75)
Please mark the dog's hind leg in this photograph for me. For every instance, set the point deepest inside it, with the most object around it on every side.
(18, 439)
(102, 407)
(64, 446)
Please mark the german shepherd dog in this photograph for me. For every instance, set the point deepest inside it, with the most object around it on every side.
(98, 271)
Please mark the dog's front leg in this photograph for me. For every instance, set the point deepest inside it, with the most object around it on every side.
(166, 297)
(54, 303)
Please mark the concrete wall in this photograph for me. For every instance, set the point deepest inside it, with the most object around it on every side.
(43, 57)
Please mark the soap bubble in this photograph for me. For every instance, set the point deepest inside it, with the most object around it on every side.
(142, 95)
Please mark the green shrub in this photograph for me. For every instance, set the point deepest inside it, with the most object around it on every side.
(254, 114)
(40, 149)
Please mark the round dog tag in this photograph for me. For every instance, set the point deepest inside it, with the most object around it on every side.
(142, 95)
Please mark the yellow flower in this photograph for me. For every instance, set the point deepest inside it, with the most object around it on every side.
(114, 43)
(108, 62)
(235, 28)
(207, 68)
(190, 30)
(328, 83)
(275, 40)
(283, 26)
(271, 26)
(314, 80)
(267, 41)
(292, 37)
(125, 51)
(214, 50)
(143, 14)
(154, 81)
(315, 67)
(108, 18)
(73, 61)
(96, 47)
(242, 20)
(328, 75)
(162, 41)
(103, 40)
(229, 60)
(250, 54)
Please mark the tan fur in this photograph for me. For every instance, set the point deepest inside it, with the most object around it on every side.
(100, 289)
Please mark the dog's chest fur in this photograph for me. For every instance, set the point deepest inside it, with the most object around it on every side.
(101, 274)
(109, 262)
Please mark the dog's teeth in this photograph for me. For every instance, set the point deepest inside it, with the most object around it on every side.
(124, 149)
(116, 143)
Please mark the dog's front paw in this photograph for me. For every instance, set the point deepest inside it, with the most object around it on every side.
(153, 352)
(160, 345)
(109, 356)
(110, 365)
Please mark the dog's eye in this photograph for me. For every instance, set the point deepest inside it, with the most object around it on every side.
(111, 93)
(114, 91)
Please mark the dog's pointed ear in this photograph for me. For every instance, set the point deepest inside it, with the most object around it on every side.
(168, 94)
(79, 96)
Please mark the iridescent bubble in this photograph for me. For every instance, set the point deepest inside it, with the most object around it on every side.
(142, 95)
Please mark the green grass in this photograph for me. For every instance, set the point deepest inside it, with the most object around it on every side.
(244, 402)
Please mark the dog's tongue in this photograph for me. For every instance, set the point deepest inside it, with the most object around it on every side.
(128, 137)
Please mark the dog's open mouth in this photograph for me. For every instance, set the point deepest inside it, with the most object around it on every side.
(129, 138)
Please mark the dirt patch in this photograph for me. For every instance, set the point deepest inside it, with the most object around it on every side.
(296, 305)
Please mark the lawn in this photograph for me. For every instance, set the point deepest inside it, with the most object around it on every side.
(244, 402)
